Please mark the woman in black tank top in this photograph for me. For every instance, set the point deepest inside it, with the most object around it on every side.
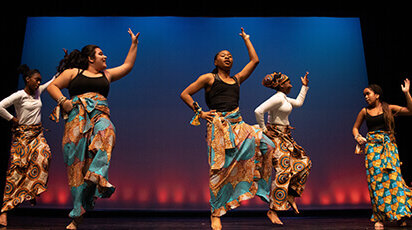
(382, 158)
(85, 75)
(222, 98)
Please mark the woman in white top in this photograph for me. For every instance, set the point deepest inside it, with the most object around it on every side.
(30, 153)
(290, 161)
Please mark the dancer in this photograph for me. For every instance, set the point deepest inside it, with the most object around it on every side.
(236, 150)
(89, 135)
(390, 196)
(29, 154)
(290, 161)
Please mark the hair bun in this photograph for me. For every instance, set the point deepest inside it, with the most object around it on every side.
(23, 69)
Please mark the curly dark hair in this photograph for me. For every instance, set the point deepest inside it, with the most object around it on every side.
(77, 59)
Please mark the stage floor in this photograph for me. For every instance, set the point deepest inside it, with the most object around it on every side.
(197, 220)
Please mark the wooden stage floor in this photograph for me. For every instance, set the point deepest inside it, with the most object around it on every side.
(243, 220)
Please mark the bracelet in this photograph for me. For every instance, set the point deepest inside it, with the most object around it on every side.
(196, 108)
(61, 100)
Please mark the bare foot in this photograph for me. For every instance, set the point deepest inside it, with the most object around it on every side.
(3, 219)
(274, 217)
(216, 224)
(72, 225)
(403, 224)
(75, 223)
(77, 220)
(379, 225)
(291, 201)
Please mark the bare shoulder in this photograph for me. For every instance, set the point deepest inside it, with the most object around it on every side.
(69, 73)
(362, 112)
(206, 78)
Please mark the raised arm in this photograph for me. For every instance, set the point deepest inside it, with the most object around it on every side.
(45, 85)
(399, 110)
(117, 73)
(254, 59)
(203, 82)
(298, 102)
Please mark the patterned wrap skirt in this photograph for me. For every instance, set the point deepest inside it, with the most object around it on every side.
(390, 196)
(239, 159)
(291, 165)
(88, 141)
(29, 166)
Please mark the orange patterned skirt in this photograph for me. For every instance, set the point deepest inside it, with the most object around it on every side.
(29, 166)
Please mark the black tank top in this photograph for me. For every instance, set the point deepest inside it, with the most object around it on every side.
(82, 84)
(223, 97)
(375, 122)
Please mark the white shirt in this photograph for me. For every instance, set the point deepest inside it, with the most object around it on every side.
(27, 106)
(278, 107)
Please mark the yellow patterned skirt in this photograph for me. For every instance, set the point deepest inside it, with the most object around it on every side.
(390, 196)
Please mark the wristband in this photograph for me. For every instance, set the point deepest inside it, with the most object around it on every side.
(195, 120)
(61, 100)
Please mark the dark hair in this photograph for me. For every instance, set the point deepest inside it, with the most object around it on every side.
(214, 71)
(77, 59)
(25, 71)
(387, 113)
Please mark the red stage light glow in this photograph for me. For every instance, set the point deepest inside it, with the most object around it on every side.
(62, 196)
(179, 195)
(143, 195)
(162, 195)
(355, 197)
(340, 196)
(306, 198)
(47, 197)
(127, 194)
(325, 199)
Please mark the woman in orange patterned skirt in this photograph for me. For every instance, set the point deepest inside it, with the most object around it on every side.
(391, 198)
(89, 134)
(237, 151)
(290, 161)
(30, 154)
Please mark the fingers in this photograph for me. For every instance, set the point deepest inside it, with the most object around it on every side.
(209, 115)
(242, 33)
(132, 34)
(406, 85)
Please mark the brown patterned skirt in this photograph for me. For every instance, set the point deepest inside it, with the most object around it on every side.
(29, 165)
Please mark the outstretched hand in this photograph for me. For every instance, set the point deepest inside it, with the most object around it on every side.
(305, 80)
(134, 37)
(243, 34)
(406, 86)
